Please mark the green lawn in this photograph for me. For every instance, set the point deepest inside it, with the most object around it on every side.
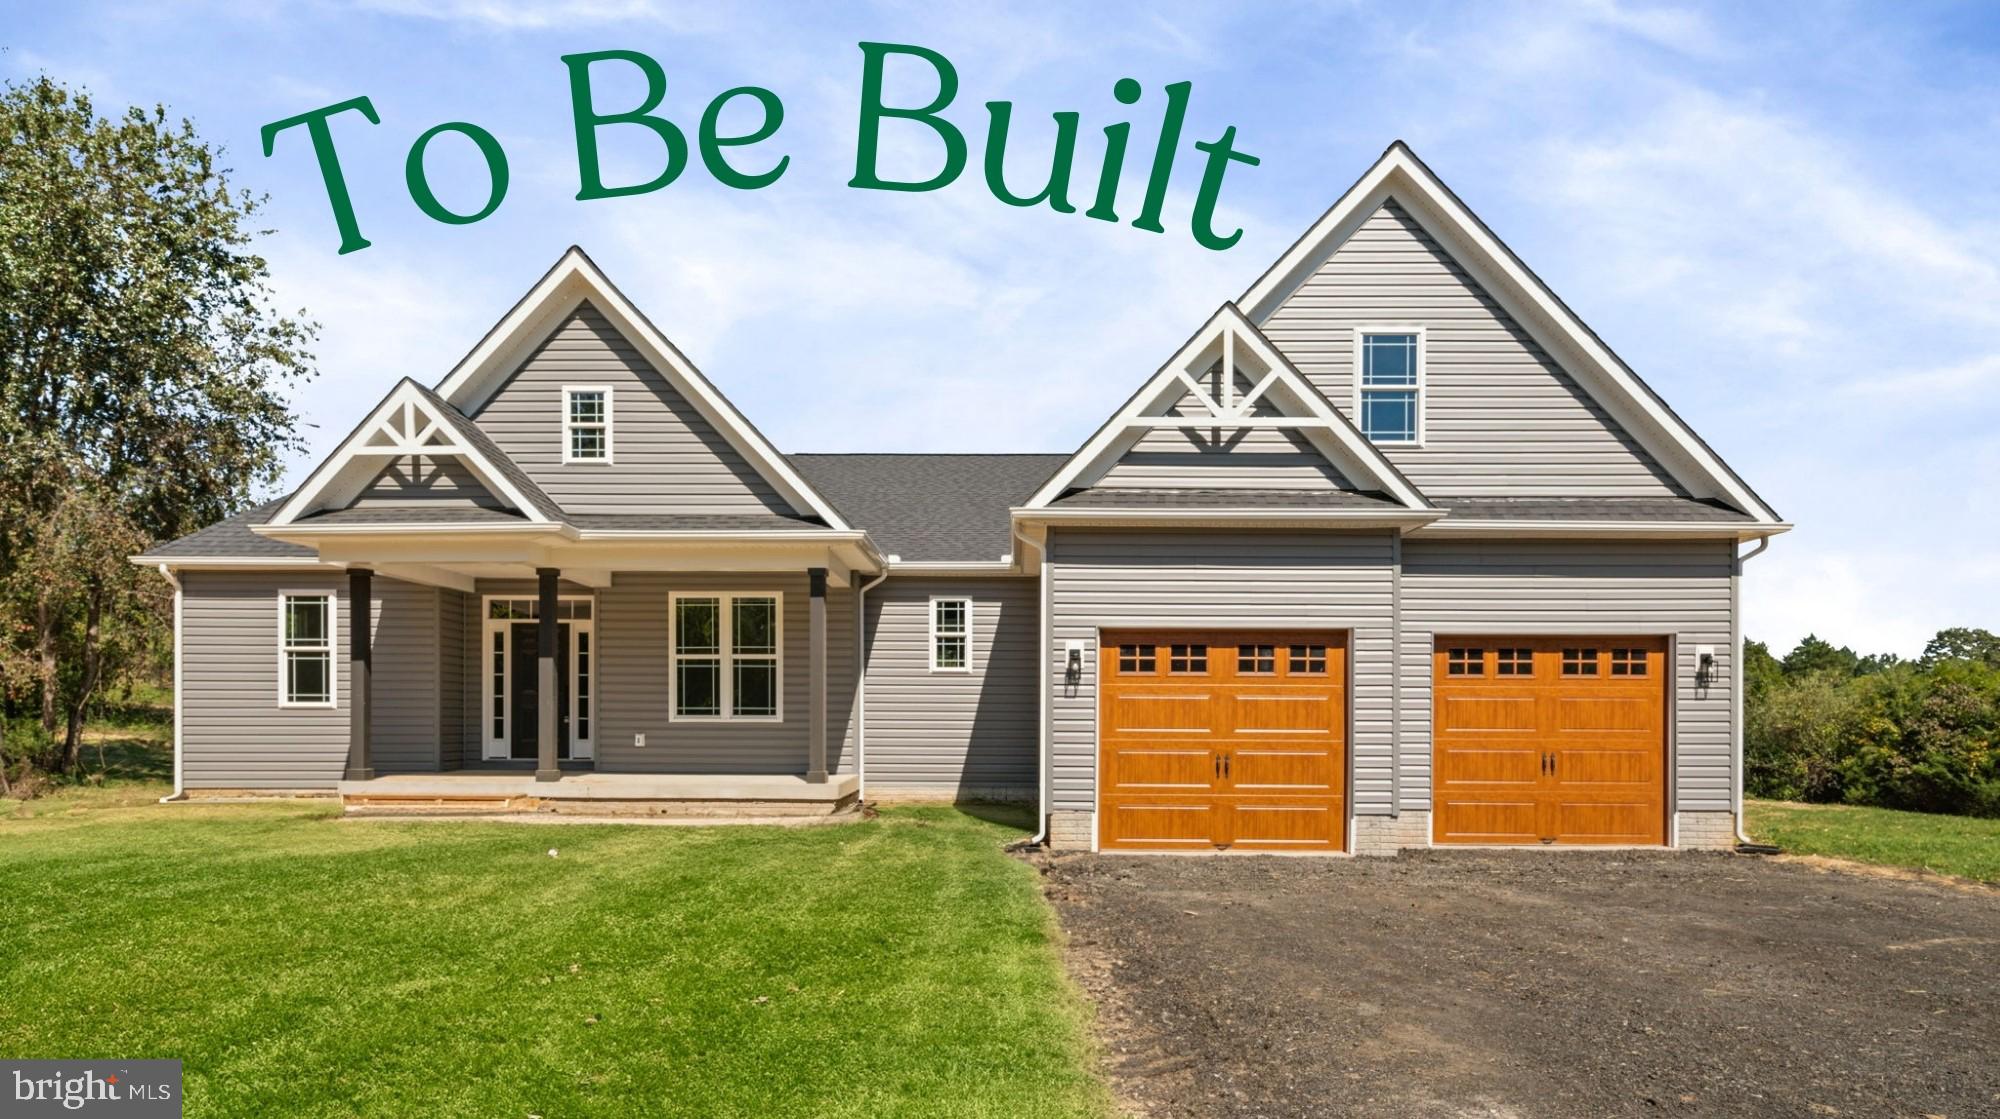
(301, 965)
(1961, 845)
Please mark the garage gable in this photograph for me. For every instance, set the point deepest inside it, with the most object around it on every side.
(1413, 252)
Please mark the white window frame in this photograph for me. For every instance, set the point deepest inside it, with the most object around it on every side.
(1422, 385)
(725, 654)
(568, 426)
(285, 649)
(500, 749)
(965, 601)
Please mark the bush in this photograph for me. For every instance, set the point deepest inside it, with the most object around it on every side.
(1923, 736)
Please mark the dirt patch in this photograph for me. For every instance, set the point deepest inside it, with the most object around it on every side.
(1533, 984)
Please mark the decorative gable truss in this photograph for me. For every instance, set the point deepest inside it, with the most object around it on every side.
(411, 423)
(1229, 377)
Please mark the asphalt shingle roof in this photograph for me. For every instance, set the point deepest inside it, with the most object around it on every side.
(931, 508)
(231, 536)
(1651, 509)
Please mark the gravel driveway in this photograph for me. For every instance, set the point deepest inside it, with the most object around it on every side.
(1534, 984)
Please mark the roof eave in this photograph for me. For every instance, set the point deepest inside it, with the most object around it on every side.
(1631, 530)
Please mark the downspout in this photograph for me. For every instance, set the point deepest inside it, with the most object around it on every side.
(1041, 690)
(1736, 676)
(861, 686)
(168, 573)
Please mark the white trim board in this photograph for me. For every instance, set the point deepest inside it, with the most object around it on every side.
(1399, 174)
(1231, 338)
(573, 280)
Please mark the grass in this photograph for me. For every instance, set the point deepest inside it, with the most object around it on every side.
(1963, 845)
(304, 965)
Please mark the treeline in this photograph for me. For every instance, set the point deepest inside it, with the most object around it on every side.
(1827, 724)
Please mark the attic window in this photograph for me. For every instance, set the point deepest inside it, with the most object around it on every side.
(587, 423)
(1389, 391)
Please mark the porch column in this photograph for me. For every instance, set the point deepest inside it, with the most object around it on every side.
(546, 768)
(816, 678)
(360, 657)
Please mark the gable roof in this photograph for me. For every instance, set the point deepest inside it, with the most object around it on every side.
(931, 508)
(572, 280)
(1226, 336)
(1399, 174)
(413, 421)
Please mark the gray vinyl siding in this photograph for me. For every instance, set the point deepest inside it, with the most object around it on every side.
(666, 458)
(1502, 417)
(233, 733)
(634, 671)
(957, 734)
(1102, 579)
(1604, 587)
(425, 482)
(452, 679)
(406, 677)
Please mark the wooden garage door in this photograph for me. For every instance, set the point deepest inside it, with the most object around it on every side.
(1549, 740)
(1210, 739)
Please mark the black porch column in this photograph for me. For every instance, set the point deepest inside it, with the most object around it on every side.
(546, 768)
(360, 657)
(816, 678)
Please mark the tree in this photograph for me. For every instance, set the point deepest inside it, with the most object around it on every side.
(143, 374)
(1815, 655)
(1962, 644)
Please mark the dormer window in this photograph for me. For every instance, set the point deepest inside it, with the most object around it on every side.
(1389, 385)
(587, 423)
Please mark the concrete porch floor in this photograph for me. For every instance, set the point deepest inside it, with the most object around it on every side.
(602, 794)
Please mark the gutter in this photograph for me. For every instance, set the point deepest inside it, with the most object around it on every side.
(1736, 679)
(179, 793)
(861, 688)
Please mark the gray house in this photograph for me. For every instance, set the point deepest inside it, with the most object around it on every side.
(1392, 551)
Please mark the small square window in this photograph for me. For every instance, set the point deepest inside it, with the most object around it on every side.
(1579, 662)
(1513, 662)
(1187, 659)
(1465, 662)
(1135, 659)
(1307, 660)
(1628, 662)
(1257, 660)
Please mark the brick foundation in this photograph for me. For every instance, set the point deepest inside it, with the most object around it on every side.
(1706, 830)
(1386, 835)
(1069, 831)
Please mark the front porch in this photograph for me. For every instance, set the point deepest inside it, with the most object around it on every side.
(656, 673)
(601, 794)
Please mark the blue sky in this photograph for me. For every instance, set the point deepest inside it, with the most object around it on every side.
(1788, 221)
